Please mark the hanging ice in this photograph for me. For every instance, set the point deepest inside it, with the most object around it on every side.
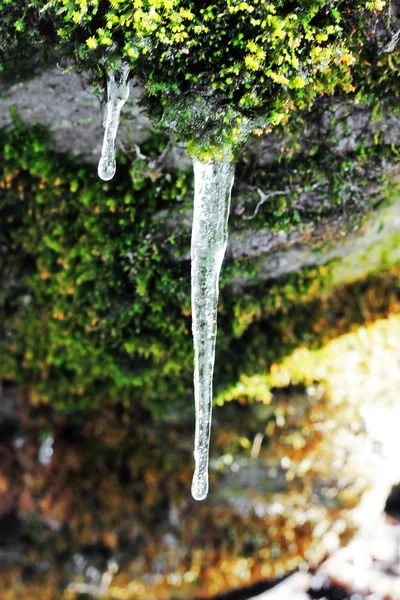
(212, 194)
(117, 95)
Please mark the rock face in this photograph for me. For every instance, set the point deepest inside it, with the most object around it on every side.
(64, 101)
(285, 253)
(335, 130)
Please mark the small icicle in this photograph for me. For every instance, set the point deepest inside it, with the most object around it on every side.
(117, 95)
(212, 195)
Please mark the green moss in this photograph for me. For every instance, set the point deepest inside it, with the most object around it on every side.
(27, 40)
(88, 271)
(91, 305)
(87, 264)
(214, 73)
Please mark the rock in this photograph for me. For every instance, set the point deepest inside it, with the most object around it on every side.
(65, 103)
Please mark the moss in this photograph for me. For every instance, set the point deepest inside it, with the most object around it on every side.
(213, 73)
(27, 41)
(272, 505)
(85, 264)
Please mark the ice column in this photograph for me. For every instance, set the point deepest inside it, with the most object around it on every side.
(212, 194)
(117, 95)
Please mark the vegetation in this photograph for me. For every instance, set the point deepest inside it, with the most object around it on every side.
(88, 265)
(27, 40)
(213, 72)
(82, 265)
(95, 299)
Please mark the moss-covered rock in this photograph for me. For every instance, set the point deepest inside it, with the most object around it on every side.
(212, 73)
(93, 267)
(100, 504)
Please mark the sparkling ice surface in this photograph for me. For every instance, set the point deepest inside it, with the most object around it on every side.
(212, 195)
(117, 95)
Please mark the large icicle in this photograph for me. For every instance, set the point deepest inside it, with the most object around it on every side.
(212, 194)
(117, 95)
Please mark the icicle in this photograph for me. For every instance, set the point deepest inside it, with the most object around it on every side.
(213, 184)
(117, 95)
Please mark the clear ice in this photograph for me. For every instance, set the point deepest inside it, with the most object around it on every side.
(117, 95)
(212, 195)
(213, 182)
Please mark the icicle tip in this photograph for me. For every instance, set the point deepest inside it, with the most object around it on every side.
(106, 169)
(200, 486)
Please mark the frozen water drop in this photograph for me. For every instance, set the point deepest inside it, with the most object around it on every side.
(107, 168)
